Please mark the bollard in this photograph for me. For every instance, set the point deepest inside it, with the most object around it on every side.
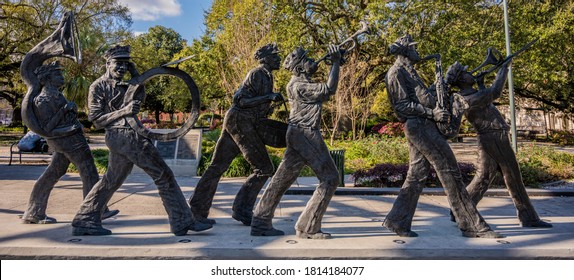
(338, 157)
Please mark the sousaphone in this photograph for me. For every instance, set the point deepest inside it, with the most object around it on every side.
(63, 42)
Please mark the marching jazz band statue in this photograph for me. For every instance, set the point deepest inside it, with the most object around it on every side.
(47, 112)
(495, 152)
(305, 146)
(417, 108)
(251, 106)
(108, 109)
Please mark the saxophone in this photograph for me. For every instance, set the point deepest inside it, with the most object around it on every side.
(454, 105)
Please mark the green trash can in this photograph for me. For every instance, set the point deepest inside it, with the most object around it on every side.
(338, 157)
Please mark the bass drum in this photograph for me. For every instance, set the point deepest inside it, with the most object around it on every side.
(139, 81)
(272, 133)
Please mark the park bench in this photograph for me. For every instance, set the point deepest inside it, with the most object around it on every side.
(15, 150)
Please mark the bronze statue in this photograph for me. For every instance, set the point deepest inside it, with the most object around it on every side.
(46, 111)
(109, 108)
(251, 106)
(495, 152)
(305, 146)
(417, 108)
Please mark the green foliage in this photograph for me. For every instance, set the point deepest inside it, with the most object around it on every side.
(372, 150)
(459, 30)
(100, 159)
(543, 164)
(562, 137)
(152, 49)
(382, 107)
(15, 127)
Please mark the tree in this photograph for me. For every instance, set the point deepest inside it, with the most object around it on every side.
(546, 72)
(152, 49)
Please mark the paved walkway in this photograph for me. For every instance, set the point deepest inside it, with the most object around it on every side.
(354, 218)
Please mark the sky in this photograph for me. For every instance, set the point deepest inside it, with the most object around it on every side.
(183, 16)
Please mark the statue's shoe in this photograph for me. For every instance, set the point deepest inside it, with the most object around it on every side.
(400, 231)
(95, 231)
(109, 214)
(255, 231)
(197, 227)
(536, 224)
(204, 220)
(245, 219)
(317, 235)
(485, 234)
(37, 220)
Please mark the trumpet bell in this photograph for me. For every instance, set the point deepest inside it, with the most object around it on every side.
(493, 57)
(70, 39)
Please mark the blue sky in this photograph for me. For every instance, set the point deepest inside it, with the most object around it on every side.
(184, 16)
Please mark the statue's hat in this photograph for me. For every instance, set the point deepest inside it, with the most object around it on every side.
(118, 52)
(294, 58)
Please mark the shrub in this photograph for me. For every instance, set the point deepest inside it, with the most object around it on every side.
(394, 175)
(369, 151)
(239, 167)
(205, 119)
(561, 137)
(393, 129)
(100, 159)
(542, 164)
(14, 127)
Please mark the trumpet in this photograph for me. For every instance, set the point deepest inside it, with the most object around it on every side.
(350, 43)
(493, 57)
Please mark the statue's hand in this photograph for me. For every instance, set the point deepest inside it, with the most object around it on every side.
(507, 63)
(133, 107)
(334, 53)
(277, 97)
(71, 106)
(440, 115)
(481, 75)
(132, 69)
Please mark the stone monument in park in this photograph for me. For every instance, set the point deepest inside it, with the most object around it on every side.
(181, 154)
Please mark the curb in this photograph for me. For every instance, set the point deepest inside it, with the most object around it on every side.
(350, 190)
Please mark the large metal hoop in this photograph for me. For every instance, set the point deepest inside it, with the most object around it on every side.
(137, 82)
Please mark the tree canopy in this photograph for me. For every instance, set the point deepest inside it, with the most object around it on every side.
(458, 30)
(235, 29)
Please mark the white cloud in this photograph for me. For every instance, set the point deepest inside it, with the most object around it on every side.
(150, 10)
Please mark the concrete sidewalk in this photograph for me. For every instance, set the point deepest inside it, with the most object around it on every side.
(354, 218)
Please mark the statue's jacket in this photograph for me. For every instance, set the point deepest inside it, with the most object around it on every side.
(305, 99)
(408, 94)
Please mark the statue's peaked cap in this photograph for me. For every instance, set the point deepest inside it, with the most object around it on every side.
(294, 58)
(406, 40)
(46, 68)
(118, 52)
(401, 44)
(266, 50)
(454, 72)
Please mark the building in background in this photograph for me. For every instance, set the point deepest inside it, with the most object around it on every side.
(6, 112)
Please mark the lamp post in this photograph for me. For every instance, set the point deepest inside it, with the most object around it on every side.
(510, 80)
